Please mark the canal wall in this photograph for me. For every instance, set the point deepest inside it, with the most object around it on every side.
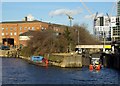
(9, 53)
(70, 59)
(61, 59)
(66, 60)
(3, 52)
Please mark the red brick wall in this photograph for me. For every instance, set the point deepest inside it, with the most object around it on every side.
(36, 25)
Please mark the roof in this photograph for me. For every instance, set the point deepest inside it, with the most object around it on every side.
(34, 21)
(28, 33)
(22, 21)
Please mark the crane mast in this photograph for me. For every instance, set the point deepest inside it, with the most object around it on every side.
(70, 19)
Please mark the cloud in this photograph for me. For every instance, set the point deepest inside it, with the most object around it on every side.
(93, 16)
(65, 11)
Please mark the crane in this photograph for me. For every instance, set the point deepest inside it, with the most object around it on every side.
(113, 8)
(86, 8)
(108, 17)
(70, 19)
(95, 19)
(94, 16)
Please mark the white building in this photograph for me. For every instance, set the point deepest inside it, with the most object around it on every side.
(115, 32)
(105, 28)
(102, 28)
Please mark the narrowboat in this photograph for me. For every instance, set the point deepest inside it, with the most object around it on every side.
(37, 58)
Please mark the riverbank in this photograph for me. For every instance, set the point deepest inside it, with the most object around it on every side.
(56, 59)
(60, 60)
(27, 59)
(70, 60)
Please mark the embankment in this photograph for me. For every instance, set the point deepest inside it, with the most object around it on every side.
(65, 60)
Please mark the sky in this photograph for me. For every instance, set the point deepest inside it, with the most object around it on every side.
(55, 12)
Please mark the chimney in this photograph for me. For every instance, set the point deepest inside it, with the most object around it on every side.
(25, 18)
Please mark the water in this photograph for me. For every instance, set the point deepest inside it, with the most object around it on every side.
(18, 71)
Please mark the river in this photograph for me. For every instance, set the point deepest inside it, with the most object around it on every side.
(18, 71)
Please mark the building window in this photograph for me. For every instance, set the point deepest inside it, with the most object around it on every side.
(2, 28)
(15, 33)
(2, 34)
(28, 28)
(42, 28)
(25, 28)
(15, 28)
(37, 28)
(6, 33)
(20, 28)
(11, 34)
(6, 28)
(11, 28)
(33, 28)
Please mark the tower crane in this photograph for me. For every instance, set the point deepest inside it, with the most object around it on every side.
(70, 19)
(108, 17)
(113, 7)
(86, 8)
(94, 16)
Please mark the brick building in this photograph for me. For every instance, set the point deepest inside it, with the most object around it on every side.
(26, 36)
(10, 31)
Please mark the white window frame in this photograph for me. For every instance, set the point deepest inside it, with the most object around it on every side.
(15, 33)
(11, 33)
(2, 34)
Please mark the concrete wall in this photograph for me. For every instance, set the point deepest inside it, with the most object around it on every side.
(3, 52)
(8, 53)
(72, 61)
(66, 60)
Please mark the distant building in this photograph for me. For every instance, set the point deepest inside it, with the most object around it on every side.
(116, 30)
(10, 31)
(14, 32)
(25, 37)
(118, 8)
(102, 28)
(107, 28)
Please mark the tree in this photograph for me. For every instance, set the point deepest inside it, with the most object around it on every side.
(48, 41)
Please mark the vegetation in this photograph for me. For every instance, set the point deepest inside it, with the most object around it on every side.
(49, 41)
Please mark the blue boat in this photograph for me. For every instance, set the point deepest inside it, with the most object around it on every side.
(37, 58)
